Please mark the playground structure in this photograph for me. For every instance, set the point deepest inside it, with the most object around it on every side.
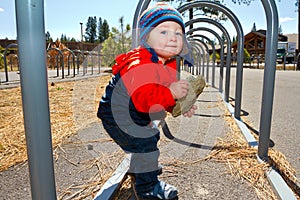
(53, 54)
(35, 90)
(66, 62)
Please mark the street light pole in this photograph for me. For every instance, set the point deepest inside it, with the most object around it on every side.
(81, 33)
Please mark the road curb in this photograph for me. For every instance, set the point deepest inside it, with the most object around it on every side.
(282, 190)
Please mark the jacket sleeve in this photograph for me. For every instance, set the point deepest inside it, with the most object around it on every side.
(147, 86)
(152, 98)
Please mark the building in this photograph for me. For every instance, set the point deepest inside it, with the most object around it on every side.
(293, 38)
(83, 46)
(255, 42)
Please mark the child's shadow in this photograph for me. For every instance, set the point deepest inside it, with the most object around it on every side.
(169, 135)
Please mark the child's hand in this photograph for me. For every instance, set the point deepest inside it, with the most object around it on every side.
(179, 89)
(191, 112)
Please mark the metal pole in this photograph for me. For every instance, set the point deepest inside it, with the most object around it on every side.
(228, 55)
(142, 5)
(240, 56)
(81, 31)
(35, 100)
(198, 48)
(5, 59)
(178, 63)
(213, 57)
(195, 40)
(269, 78)
(221, 42)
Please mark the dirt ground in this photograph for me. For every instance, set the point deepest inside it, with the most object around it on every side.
(64, 104)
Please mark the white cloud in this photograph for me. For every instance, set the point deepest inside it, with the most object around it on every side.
(286, 19)
(1, 10)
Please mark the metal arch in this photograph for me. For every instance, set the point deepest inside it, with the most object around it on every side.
(195, 50)
(198, 57)
(221, 41)
(214, 57)
(142, 5)
(62, 61)
(203, 53)
(207, 50)
(202, 56)
(73, 60)
(86, 55)
(228, 55)
(269, 77)
(89, 54)
(222, 8)
(78, 53)
(199, 49)
(5, 61)
(35, 98)
(240, 55)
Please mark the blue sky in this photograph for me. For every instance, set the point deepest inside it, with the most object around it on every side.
(64, 16)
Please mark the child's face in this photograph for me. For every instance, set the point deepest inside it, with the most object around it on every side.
(166, 39)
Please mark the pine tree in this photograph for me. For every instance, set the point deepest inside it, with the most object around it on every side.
(253, 28)
(91, 30)
(121, 20)
(48, 37)
(103, 30)
(100, 35)
(63, 38)
(280, 30)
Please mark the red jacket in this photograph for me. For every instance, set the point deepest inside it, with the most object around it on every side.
(147, 82)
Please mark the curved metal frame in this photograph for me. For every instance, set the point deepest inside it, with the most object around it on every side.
(213, 58)
(240, 54)
(62, 61)
(269, 78)
(142, 5)
(73, 60)
(78, 53)
(201, 53)
(221, 42)
(206, 51)
(5, 61)
(199, 49)
(228, 55)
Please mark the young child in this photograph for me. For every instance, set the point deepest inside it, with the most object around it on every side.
(143, 88)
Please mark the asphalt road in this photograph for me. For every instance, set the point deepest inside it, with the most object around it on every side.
(285, 124)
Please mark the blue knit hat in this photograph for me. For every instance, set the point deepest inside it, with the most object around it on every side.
(154, 16)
